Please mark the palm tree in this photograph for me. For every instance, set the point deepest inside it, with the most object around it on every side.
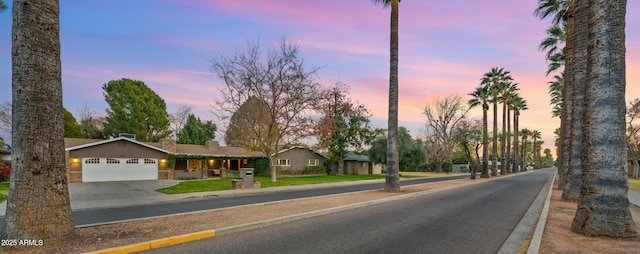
(2, 6)
(481, 97)
(559, 11)
(535, 135)
(495, 79)
(506, 93)
(518, 104)
(392, 183)
(524, 133)
(577, 68)
(38, 202)
(603, 205)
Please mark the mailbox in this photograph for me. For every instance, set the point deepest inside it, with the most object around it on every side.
(247, 176)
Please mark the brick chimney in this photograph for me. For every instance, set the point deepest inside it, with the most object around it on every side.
(168, 144)
(211, 144)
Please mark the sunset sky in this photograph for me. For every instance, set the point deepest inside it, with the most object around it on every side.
(445, 48)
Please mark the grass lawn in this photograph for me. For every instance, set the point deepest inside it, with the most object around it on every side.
(265, 182)
(4, 191)
(634, 184)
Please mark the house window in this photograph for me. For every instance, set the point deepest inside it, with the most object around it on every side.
(313, 162)
(132, 161)
(92, 161)
(364, 165)
(113, 161)
(283, 162)
(149, 161)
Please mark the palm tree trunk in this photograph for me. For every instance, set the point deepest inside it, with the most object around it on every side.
(485, 142)
(503, 147)
(392, 183)
(567, 100)
(494, 146)
(38, 203)
(516, 115)
(578, 68)
(508, 152)
(603, 206)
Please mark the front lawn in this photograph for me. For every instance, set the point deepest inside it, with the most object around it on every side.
(4, 191)
(265, 182)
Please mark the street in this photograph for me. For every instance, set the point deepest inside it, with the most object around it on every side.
(89, 217)
(472, 219)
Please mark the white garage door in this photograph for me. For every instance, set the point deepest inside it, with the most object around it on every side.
(118, 169)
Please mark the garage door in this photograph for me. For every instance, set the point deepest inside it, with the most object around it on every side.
(119, 169)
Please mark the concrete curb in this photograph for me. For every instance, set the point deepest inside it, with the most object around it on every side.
(159, 243)
(164, 242)
(527, 224)
(534, 246)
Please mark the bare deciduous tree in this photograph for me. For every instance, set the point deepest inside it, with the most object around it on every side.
(442, 120)
(178, 120)
(281, 81)
(5, 116)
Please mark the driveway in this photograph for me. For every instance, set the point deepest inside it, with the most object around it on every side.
(113, 194)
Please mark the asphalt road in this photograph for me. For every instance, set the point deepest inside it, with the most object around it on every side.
(473, 219)
(88, 217)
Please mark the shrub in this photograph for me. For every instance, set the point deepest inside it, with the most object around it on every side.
(308, 170)
(5, 171)
(261, 167)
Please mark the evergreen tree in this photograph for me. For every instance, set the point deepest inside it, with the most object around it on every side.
(135, 109)
(71, 127)
(196, 132)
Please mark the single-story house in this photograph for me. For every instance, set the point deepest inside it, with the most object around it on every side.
(358, 164)
(5, 155)
(298, 157)
(126, 159)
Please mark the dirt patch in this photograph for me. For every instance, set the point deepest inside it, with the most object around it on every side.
(558, 237)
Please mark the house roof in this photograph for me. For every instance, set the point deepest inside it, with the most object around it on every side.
(81, 144)
(357, 157)
(301, 147)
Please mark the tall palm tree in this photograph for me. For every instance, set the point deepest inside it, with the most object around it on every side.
(506, 94)
(535, 135)
(603, 205)
(2, 6)
(524, 133)
(38, 204)
(481, 97)
(557, 10)
(392, 183)
(577, 68)
(495, 79)
(518, 104)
